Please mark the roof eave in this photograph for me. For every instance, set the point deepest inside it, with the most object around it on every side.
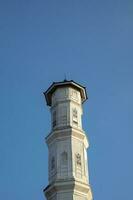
(50, 90)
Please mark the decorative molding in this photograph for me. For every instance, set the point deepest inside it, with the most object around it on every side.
(62, 133)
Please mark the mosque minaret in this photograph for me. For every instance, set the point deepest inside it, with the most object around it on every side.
(67, 143)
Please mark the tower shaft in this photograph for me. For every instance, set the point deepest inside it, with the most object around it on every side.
(67, 144)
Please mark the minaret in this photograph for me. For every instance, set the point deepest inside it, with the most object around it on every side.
(67, 143)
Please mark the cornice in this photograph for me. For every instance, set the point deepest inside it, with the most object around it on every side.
(71, 185)
(67, 132)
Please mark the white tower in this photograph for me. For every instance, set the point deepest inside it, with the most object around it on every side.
(67, 143)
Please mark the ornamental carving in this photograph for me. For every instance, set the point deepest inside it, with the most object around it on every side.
(74, 94)
(78, 159)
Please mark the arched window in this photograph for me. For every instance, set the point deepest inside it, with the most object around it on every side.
(63, 115)
(64, 158)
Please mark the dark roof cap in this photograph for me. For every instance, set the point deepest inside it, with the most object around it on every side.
(71, 83)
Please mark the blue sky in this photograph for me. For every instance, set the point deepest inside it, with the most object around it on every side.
(92, 43)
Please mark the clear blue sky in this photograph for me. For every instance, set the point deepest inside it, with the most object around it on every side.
(92, 42)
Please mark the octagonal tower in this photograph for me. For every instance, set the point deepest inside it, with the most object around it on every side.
(67, 143)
